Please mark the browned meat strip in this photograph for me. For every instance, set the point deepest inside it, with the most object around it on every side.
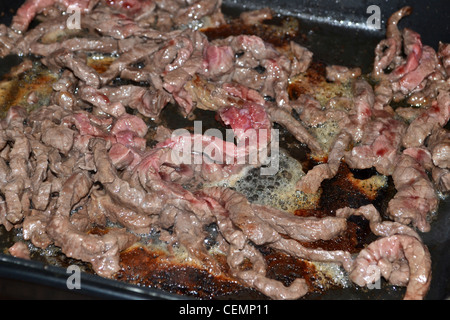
(441, 178)
(20, 250)
(416, 197)
(256, 16)
(101, 251)
(295, 249)
(314, 177)
(439, 146)
(363, 100)
(301, 228)
(401, 259)
(342, 74)
(30, 8)
(378, 227)
(283, 118)
(380, 145)
(103, 45)
(437, 114)
(444, 55)
(65, 59)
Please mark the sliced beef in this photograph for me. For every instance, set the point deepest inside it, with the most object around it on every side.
(8, 39)
(444, 55)
(35, 227)
(66, 59)
(401, 259)
(416, 198)
(26, 13)
(437, 114)
(252, 130)
(413, 48)
(97, 45)
(285, 119)
(439, 145)
(295, 249)
(256, 16)
(219, 60)
(342, 74)
(101, 207)
(232, 210)
(441, 178)
(412, 79)
(101, 251)
(20, 250)
(363, 100)
(59, 138)
(196, 10)
(380, 145)
(256, 278)
(302, 58)
(84, 161)
(388, 51)
(377, 225)
(189, 234)
(310, 183)
(127, 58)
(301, 228)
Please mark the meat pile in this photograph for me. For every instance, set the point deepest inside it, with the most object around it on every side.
(84, 161)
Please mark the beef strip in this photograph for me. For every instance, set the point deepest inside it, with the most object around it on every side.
(102, 208)
(101, 251)
(343, 74)
(256, 16)
(387, 52)
(401, 259)
(8, 39)
(97, 45)
(270, 287)
(31, 8)
(20, 250)
(295, 249)
(441, 178)
(66, 59)
(301, 228)
(439, 145)
(35, 227)
(363, 99)
(285, 119)
(230, 208)
(126, 59)
(380, 145)
(444, 55)
(415, 198)
(378, 227)
(196, 11)
(411, 80)
(437, 114)
(311, 182)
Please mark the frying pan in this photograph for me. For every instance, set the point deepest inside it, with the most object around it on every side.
(337, 32)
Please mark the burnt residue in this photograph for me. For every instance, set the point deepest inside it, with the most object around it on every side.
(152, 268)
(316, 76)
(286, 269)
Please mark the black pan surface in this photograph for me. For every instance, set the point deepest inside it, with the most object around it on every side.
(337, 33)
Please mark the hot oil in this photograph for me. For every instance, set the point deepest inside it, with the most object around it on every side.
(30, 89)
